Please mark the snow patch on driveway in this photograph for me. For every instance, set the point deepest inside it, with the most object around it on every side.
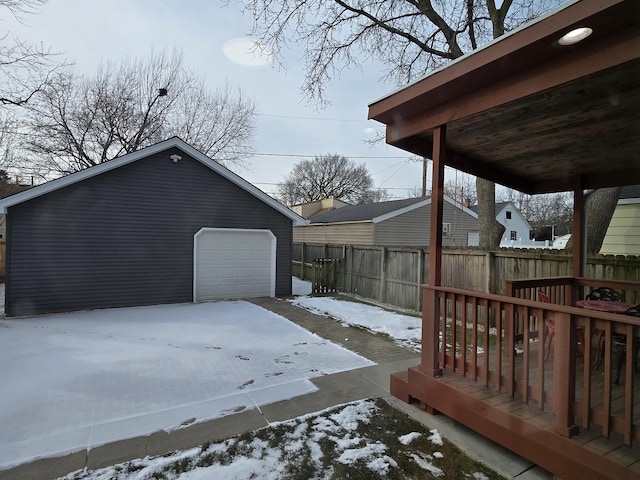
(79, 380)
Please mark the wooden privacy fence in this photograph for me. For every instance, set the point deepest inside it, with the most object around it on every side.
(393, 275)
(325, 275)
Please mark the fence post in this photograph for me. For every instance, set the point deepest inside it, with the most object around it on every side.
(490, 273)
(343, 270)
(302, 262)
(350, 285)
(383, 275)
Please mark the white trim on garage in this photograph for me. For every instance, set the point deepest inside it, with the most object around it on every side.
(237, 271)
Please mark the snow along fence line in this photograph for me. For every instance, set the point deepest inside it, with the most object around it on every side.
(393, 275)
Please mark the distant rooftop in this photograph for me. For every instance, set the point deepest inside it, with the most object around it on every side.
(366, 211)
(499, 207)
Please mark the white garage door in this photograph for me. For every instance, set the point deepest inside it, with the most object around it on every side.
(234, 263)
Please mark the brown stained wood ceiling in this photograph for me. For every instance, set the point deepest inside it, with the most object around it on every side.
(587, 128)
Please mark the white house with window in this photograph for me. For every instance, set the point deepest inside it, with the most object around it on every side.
(517, 230)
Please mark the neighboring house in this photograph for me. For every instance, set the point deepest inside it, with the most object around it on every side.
(623, 234)
(306, 210)
(397, 222)
(516, 228)
(165, 224)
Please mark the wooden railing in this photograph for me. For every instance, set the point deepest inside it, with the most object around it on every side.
(497, 341)
(567, 290)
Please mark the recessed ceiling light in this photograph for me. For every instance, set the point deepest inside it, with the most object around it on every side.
(575, 36)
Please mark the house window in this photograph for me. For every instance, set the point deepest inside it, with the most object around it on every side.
(446, 229)
(508, 215)
(514, 235)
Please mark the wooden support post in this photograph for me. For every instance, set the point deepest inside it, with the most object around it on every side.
(419, 282)
(302, 262)
(564, 379)
(429, 361)
(579, 258)
(437, 203)
(383, 275)
(431, 309)
(579, 233)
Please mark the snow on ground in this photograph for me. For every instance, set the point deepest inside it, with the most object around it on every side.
(268, 460)
(404, 329)
(311, 446)
(260, 460)
(78, 380)
(300, 287)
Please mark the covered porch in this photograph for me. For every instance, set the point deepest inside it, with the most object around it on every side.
(539, 117)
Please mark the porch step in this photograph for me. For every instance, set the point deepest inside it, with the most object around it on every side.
(399, 385)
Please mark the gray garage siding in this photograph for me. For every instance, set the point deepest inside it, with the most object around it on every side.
(125, 237)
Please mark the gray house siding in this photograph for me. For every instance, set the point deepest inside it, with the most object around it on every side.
(354, 233)
(125, 237)
(412, 228)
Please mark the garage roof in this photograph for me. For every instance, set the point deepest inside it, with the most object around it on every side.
(530, 113)
(174, 142)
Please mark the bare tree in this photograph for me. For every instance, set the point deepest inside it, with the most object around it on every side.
(416, 192)
(462, 189)
(81, 121)
(408, 37)
(25, 68)
(553, 210)
(522, 201)
(329, 176)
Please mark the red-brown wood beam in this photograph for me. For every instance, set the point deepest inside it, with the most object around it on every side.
(475, 166)
(437, 204)
(513, 53)
(579, 233)
(431, 308)
(564, 378)
(594, 58)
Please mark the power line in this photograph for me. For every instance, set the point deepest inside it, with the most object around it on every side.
(312, 118)
(387, 168)
(264, 154)
(396, 171)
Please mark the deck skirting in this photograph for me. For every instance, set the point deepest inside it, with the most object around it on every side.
(563, 456)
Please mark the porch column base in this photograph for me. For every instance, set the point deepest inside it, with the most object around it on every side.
(435, 372)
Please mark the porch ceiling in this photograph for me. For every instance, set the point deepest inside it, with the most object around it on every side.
(531, 114)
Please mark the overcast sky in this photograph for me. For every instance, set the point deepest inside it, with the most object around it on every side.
(288, 129)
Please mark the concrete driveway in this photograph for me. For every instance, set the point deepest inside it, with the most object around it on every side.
(74, 381)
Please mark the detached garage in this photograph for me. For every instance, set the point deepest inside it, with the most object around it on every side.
(165, 224)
